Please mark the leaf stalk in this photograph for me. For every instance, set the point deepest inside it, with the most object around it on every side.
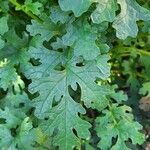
(16, 4)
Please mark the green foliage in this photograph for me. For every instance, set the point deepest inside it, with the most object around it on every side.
(105, 11)
(118, 123)
(145, 90)
(60, 63)
(3, 29)
(125, 22)
(78, 7)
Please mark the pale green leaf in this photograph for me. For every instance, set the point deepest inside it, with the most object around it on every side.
(119, 124)
(13, 53)
(64, 118)
(46, 30)
(13, 102)
(48, 81)
(3, 25)
(11, 117)
(2, 43)
(6, 138)
(105, 11)
(78, 6)
(58, 15)
(125, 22)
(23, 140)
(58, 44)
(8, 76)
(83, 39)
(145, 90)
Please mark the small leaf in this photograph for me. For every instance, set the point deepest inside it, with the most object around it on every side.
(145, 90)
(32, 6)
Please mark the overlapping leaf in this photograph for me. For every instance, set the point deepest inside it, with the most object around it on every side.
(13, 53)
(105, 11)
(23, 140)
(18, 121)
(78, 6)
(83, 40)
(118, 124)
(58, 15)
(32, 6)
(125, 22)
(43, 30)
(145, 90)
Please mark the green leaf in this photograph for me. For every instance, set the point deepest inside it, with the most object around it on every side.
(119, 124)
(23, 140)
(9, 77)
(55, 73)
(118, 96)
(125, 22)
(4, 6)
(145, 61)
(58, 44)
(129, 70)
(14, 49)
(64, 118)
(146, 27)
(3, 29)
(83, 39)
(47, 80)
(3, 25)
(58, 15)
(105, 11)
(11, 117)
(145, 90)
(16, 127)
(6, 138)
(13, 53)
(13, 102)
(32, 6)
(2, 43)
(58, 82)
(78, 7)
(46, 30)
(41, 78)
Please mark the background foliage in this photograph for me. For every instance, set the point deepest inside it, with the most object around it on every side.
(74, 74)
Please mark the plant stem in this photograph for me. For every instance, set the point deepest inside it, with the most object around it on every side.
(114, 119)
(16, 4)
(128, 50)
(144, 52)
